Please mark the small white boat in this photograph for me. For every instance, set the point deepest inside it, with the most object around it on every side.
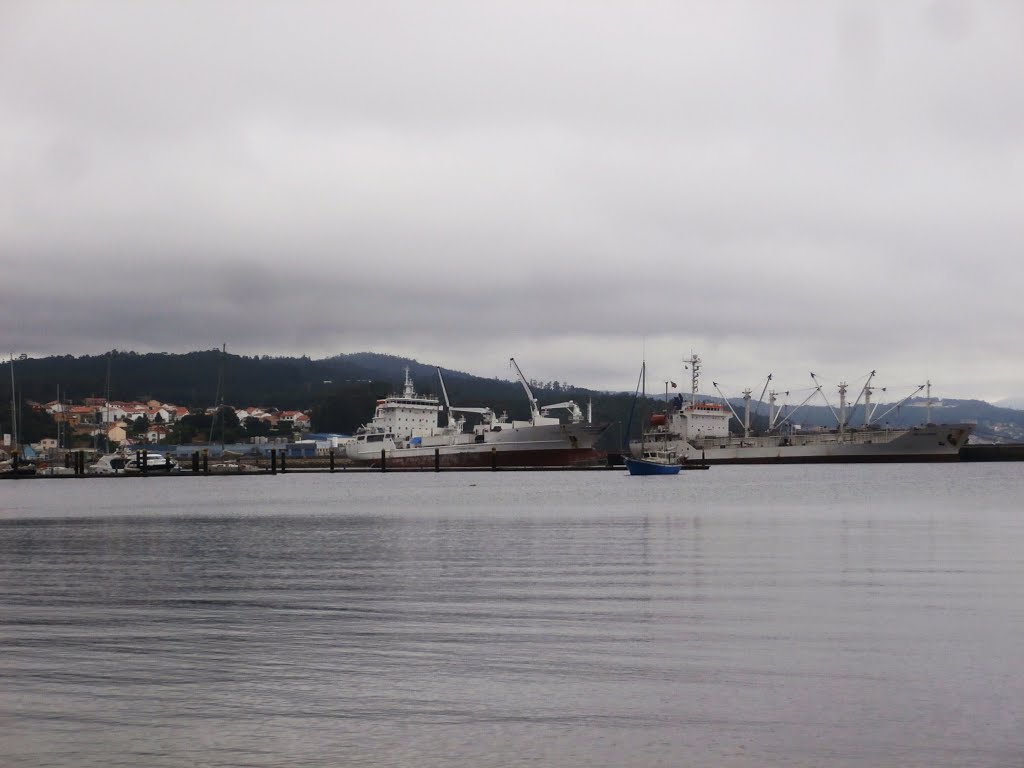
(109, 464)
(121, 463)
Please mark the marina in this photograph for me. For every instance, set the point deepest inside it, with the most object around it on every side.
(409, 431)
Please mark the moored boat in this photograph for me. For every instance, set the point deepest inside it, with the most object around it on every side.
(125, 463)
(651, 462)
(405, 432)
(698, 431)
(654, 463)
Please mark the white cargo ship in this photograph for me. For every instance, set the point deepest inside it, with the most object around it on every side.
(698, 430)
(405, 432)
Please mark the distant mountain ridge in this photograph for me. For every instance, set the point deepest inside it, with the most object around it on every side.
(1016, 403)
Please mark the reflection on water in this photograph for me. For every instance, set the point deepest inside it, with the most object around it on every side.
(753, 616)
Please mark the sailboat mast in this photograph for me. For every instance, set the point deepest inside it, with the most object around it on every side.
(643, 400)
(218, 397)
(14, 408)
(106, 399)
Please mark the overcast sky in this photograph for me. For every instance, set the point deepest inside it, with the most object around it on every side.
(779, 186)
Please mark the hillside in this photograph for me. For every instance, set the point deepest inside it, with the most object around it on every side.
(340, 391)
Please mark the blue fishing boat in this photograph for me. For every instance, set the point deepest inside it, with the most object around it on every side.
(654, 463)
(650, 462)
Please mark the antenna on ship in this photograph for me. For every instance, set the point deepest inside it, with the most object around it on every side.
(842, 408)
(694, 365)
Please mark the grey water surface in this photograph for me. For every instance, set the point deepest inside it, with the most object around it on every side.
(748, 616)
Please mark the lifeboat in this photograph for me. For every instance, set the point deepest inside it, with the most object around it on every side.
(658, 420)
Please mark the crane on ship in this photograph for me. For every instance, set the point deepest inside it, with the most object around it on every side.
(534, 410)
(541, 414)
(486, 414)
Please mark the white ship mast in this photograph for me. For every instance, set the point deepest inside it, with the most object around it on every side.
(842, 408)
(694, 365)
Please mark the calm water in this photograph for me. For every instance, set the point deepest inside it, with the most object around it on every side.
(804, 616)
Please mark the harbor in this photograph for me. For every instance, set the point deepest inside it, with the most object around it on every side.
(200, 466)
(411, 431)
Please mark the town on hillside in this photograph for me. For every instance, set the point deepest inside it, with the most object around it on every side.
(98, 425)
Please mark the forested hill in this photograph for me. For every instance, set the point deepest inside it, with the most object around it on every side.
(184, 379)
(191, 379)
(341, 391)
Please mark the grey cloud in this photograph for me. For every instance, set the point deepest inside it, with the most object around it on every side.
(832, 182)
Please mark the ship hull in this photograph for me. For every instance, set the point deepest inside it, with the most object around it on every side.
(644, 468)
(930, 444)
(541, 446)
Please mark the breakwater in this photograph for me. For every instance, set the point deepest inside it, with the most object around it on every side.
(992, 452)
